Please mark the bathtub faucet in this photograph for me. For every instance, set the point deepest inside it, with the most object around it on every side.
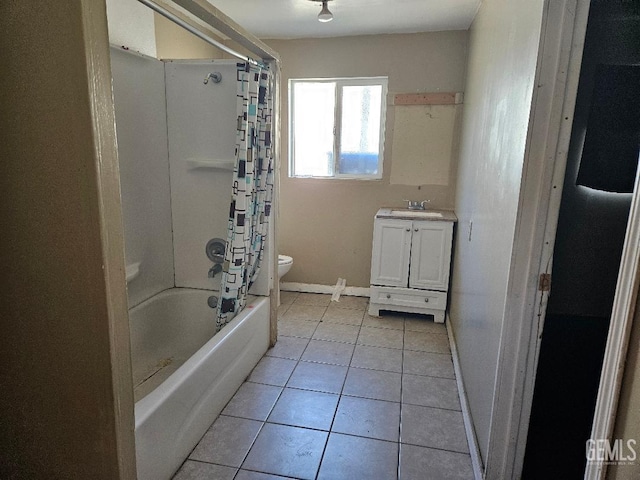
(217, 268)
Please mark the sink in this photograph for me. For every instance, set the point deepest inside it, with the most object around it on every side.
(416, 213)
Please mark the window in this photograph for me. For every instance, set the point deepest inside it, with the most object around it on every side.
(336, 127)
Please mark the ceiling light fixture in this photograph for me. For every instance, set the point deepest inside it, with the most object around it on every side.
(325, 15)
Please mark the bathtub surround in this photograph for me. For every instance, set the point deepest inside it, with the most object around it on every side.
(252, 190)
(181, 178)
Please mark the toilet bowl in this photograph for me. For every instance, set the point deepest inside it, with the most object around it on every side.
(284, 265)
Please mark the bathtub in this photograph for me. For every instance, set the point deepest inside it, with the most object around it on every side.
(183, 374)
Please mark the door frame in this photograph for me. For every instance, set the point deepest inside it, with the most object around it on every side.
(560, 58)
(553, 102)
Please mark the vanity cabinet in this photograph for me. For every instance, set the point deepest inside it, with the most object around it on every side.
(410, 263)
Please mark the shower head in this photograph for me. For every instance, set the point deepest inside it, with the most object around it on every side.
(215, 76)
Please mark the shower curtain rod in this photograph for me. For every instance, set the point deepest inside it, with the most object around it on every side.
(177, 20)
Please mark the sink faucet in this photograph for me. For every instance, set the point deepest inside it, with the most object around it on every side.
(416, 205)
(217, 268)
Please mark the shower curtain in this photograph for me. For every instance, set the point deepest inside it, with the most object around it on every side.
(252, 190)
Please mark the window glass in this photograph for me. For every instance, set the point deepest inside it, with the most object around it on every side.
(336, 127)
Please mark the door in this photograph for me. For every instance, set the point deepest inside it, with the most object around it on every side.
(430, 254)
(391, 252)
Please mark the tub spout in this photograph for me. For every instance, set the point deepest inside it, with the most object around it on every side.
(217, 268)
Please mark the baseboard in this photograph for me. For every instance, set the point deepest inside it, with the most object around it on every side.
(328, 289)
(474, 450)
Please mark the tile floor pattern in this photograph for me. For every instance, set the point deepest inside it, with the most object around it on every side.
(342, 395)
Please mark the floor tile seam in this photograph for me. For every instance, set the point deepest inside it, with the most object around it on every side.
(378, 370)
(397, 442)
(293, 336)
(433, 448)
(404, 333)
(383, 328)
(423, 351)
(350, 395)
(269, 384)
(271, 422)
(368, 437)
(264, 422)
(333, 322)
(430, 406)
(332, 341)
(425, 331)
(333, 420)
(430, 376)
(379, 346)
(261, 471)
(353, 395)
(310, 305)
(426, 351)
(339, 307)
(324, 451)
(238, 467)
(287, 320)
(325, 363)
(374, 369)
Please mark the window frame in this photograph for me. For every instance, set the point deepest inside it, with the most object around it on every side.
(340, 82)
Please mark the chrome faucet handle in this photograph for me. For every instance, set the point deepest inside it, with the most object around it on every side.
(217, 268)
(423, 203)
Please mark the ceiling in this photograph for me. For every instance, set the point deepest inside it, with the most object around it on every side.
(298, 18)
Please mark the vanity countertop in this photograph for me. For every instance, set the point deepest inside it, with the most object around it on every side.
(406, 214)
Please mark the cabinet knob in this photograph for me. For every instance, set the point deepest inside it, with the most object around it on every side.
(426, 300)
(408, 229)
(388, 295)
(415, 229)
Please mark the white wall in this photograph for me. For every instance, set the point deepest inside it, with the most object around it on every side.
(421, 62)
(131, 24)
(141, 122)
(201, 125)
(500, 74)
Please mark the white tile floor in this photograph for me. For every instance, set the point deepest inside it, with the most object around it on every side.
(341, 396)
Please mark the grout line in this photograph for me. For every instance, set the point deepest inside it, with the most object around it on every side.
(404, 332)
(335, 413)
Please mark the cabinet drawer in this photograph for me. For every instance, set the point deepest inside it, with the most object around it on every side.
(408, 297)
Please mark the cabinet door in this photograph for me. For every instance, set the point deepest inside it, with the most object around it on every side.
(390, 256)
(430, 255)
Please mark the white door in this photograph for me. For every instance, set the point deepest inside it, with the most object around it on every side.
(430, 255)
(390, 256)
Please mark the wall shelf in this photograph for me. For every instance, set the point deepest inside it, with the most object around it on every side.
(209, 163)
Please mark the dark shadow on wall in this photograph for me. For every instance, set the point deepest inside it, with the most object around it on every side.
(588, 247)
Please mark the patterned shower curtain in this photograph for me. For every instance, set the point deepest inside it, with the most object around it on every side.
(252, 190)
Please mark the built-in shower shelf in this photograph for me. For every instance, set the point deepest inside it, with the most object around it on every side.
(132, 271)
(203, 163)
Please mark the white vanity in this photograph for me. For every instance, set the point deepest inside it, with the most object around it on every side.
(410, 262)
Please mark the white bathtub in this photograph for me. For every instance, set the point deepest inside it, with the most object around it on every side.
(190, 376)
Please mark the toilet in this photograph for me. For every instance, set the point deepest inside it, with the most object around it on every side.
(284, 265)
